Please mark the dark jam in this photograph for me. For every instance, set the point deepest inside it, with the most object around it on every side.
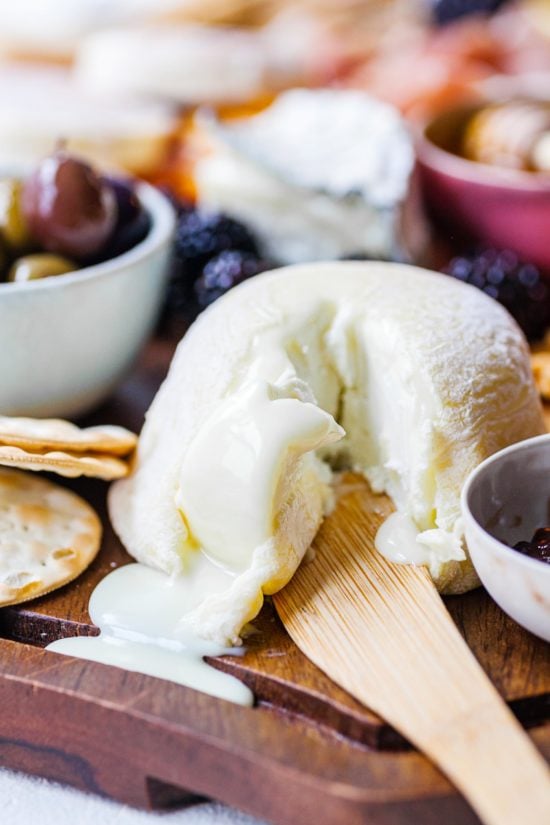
(539, 546)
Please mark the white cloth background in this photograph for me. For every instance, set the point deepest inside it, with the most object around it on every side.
(26, 800)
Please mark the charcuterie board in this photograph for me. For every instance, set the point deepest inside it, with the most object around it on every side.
(305, 747)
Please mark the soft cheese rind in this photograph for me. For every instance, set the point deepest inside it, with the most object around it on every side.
(350, 192)
(427, 376)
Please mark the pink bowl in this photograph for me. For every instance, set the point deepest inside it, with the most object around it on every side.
(503, 208)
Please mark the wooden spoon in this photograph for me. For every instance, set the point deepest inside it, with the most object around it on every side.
(382, 632)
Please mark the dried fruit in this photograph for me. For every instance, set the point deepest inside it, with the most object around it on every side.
(539, 546)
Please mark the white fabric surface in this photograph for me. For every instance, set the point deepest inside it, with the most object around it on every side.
(28, 800)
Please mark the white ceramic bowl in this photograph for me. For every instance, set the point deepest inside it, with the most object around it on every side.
(504, 501)
(66, 341)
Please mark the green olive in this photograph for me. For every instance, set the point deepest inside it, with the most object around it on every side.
(12, 221)
(40, 265)
(4, 260)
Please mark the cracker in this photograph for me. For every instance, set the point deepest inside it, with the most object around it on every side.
(66, 464)
(48, 536)
(540, 364)
(46, 434)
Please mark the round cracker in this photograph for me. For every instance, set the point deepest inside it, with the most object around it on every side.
(48, 536)
(46, 434)
(70, 465)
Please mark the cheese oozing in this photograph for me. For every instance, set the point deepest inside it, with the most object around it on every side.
(408, 377)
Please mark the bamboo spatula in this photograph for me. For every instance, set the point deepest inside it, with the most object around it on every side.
(382, 632)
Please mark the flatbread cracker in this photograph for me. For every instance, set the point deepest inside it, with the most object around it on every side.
(66, 464)
(48, 536)
(47, 434)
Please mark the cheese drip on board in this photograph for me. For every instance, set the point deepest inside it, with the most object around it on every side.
(138, 611)
(408, 377)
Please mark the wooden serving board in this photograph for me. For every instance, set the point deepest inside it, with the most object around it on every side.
(307, 750)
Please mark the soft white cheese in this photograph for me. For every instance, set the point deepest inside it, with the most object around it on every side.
(426, 376)
(319, 175)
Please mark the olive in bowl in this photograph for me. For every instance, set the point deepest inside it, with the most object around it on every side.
(74, 314)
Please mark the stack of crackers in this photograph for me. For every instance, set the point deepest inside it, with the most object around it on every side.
(49, 535)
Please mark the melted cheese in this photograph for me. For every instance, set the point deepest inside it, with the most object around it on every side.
(426, 377)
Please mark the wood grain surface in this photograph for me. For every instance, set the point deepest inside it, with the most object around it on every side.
(306, 746)
(382, 632)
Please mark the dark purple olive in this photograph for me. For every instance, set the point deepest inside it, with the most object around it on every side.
(68, 208)
(133, 222)
(128, 236)
(127, 201)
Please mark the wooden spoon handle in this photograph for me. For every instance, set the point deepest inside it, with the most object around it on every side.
(382, 632)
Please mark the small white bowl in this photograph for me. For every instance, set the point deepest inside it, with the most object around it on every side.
(504, 501)
(66, 341)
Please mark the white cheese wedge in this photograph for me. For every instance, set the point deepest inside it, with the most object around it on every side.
(409, 377)
(319, 175)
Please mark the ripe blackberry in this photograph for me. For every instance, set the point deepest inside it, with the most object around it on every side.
(516, 285)
(225, 271)
(445, 11)
(200, 236)
(203, 235)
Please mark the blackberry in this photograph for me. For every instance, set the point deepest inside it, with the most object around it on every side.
(518, 286)
(445, 11)
(226, 270)
(203, 235)
(200, 236)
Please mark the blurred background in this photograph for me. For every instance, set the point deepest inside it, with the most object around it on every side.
(117, 77)
(192, 95)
